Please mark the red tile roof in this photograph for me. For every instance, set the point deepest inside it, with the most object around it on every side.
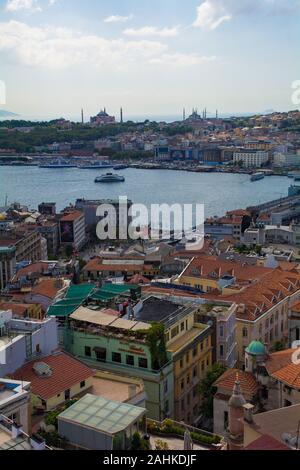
(259, 297)
(32, 268)
(17, 309)
(266, 442)
(46, 288)
(66, 372)
(281, 367)
(205, 266)
(71, 216)
(228, 379)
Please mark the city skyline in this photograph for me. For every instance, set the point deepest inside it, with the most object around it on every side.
(60, 56)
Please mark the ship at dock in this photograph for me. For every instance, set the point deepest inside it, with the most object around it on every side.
(58, 163)
(96, 166)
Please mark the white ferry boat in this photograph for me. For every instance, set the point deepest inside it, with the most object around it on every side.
(110, 178)
(257, 176)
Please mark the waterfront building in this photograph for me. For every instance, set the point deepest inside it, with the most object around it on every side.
(22, 340)
(250, 158)
(72, 229)
(286, 160)
(55, 380)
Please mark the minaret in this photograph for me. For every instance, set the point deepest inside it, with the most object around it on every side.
(121, 115)
(217, 115)
(82, 118)
(235, 415)
(184, 114)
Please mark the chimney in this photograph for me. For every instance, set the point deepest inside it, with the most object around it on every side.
(248, 413)
(37, 442)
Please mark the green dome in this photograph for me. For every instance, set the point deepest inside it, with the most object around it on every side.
(256, 348)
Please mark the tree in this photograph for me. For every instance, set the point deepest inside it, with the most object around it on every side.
(69, 251)
(207, 390)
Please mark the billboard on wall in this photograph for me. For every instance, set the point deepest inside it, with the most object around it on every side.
(66, 232)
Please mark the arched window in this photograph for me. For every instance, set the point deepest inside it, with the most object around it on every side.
(245, 332)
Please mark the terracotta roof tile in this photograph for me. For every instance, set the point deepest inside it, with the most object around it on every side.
(228, 379)
(66, 372)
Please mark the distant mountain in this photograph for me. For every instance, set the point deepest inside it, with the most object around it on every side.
(5, 114)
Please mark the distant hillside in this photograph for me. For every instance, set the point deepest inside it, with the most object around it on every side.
(7, 114)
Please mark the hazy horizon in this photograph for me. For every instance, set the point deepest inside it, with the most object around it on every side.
(151, 58)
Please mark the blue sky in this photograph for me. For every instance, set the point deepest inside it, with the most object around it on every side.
(151, 57)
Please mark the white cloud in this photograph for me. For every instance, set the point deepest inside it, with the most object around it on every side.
(16, 5)
(212, 13)
(152, 31)
(118, 19)
(62, 48)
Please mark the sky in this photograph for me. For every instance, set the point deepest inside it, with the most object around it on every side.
(150, 57)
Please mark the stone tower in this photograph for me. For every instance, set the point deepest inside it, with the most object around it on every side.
(235, 415)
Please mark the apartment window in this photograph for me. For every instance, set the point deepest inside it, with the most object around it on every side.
(182, 326)
(130, 360)
(143, 363)
(245, 333)
(174, 332)
(100, 354)
(194, 392)
(195, 350)
(116, 357)
(188, 400)
(188, 379)
(221, 330)
(87, 351)
(182, 384)
(181, 363)
(201, 346)
(207, 361)
(82, 384)
(182, 405)
(202, 366)
(195, 372)
(187, 357)
(221, 350)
